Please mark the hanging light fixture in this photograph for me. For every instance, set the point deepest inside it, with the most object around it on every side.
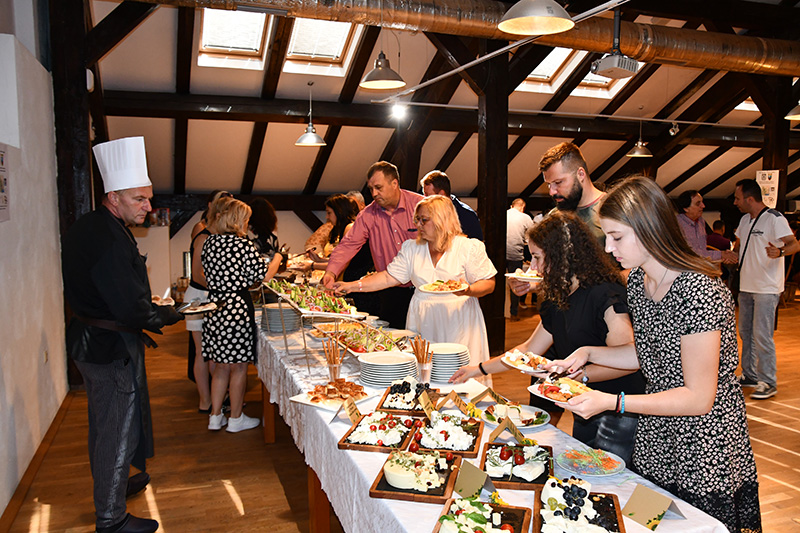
(310, 137)
(536, 17)
(382, 76)
(639, 149)
(794, 114)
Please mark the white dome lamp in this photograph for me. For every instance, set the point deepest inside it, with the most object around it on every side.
(536, 17)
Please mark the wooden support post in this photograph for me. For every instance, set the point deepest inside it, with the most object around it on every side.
(493, 184)
(776, 133)
(319, 508)
(268, 413)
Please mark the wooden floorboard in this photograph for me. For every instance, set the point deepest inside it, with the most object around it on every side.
(222, 482)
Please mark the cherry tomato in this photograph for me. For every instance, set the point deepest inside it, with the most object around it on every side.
(413, 447)
(446, 418)
(507, 527)
(505, 454)
(380, 442)
(460, 511)
(418, 423)
(417, 436)
(408, 423)
(392, 424)
(382, 427)
(519, 459)
(449, 456)
(373, 427)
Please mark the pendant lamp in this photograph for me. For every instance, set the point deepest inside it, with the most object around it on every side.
(382, 76)
(536, 17)
(310, 137)
(639, 149)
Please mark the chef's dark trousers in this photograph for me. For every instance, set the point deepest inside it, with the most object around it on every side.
(113, 434)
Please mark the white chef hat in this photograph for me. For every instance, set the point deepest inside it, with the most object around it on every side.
(123, 164)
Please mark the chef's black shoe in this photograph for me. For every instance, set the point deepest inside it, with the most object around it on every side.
(131, 524)
(137, 483)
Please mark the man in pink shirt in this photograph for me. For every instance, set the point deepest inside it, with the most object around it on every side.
(386, 223)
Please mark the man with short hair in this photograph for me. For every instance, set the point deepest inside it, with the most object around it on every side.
(517, 224)
(763, 239)
(690, 219)
(567, 177)
(386, 223)
(437, 182)
(717, 238)
(107, 288)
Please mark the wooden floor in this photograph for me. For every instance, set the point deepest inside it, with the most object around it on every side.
(204, 481)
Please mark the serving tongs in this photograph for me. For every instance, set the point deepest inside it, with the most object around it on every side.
(552, 376)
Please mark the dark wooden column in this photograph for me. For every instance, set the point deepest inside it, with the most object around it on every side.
(407, 155)
(71, 100)
(776, 133)
(493, 184)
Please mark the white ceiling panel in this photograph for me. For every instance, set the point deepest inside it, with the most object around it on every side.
(356, 149)
(284, 167)
(437, 144)
(216, 154)
(687, 157)
(158, 136)
(464, 170)
(730, 159)
(525, 167)
(145, 59)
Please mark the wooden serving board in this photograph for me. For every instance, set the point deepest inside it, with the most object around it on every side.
(345, 445)
(469, 454)
(433, 394)
(381, 489)
(537, 517)
(517, 517)
(516, 483)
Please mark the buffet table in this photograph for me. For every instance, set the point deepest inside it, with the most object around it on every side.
(345, 476)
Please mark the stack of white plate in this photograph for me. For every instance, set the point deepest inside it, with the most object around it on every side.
(379, 369)
(272, 316)
(446, 359)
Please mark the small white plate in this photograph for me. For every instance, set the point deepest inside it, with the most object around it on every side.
(527, 412)
(428, 290)
(567, 465)
(529, 279)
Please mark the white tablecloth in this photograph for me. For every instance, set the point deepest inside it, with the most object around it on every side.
(346, 476)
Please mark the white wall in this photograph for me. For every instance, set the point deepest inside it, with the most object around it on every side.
(33, 380)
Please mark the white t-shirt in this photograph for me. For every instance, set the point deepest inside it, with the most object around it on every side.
(761, 274)
(517, 224)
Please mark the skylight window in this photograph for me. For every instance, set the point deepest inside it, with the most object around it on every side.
(319, 40)
(233, 32)
(550, 67)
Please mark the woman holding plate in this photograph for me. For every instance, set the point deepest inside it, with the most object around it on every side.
(439, 253)
(583, 304)
(693, 439)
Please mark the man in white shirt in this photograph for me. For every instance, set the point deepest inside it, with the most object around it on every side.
(517, 224)
(763, 239)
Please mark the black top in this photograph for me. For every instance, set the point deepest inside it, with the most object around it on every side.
(470, 224)
(193, 282)
(266, 245)
(106, 278)
(582, 324)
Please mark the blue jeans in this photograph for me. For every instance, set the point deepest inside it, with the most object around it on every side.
(756, 326)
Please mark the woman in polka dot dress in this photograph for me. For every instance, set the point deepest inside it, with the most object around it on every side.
(692, 438)
(231, 265)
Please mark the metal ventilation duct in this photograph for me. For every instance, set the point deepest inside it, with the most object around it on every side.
(479, 18)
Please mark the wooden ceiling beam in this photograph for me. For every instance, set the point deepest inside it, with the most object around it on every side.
(732, 172)
(249, 109)
(183, 84)
(456, 52)
(114, 27)
(573, 80)
(453, 150)
(686, 94)
(631, 87)
(694, 169)
(281, 33)
(610, 161)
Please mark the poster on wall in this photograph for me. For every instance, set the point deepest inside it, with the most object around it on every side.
(4, 194)
(768, 179)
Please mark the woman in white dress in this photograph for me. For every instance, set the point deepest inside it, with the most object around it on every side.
(440, 252)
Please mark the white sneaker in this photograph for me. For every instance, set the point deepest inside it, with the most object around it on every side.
(217, 422)
(242, 423)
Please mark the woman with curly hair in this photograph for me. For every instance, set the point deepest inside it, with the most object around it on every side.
(584, 304)
(440, 252)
